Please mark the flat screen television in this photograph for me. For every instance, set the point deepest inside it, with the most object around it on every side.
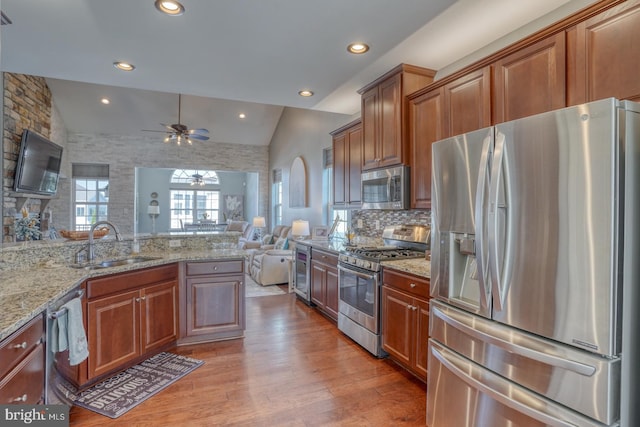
(38, 166)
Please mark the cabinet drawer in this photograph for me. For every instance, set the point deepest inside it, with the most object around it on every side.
(324, 257)
(214, 267)
(414, 285)
(24, 385)
(119, 282)
(14, 348)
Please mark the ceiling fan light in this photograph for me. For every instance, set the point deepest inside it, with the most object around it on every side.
(169, 7)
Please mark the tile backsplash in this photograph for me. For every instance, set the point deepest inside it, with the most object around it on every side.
(374, 221)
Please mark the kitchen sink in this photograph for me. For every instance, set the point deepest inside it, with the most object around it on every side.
(114, 262)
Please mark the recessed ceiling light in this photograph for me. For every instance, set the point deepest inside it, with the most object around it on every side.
(305, 93)
(170, 7)
(358, 48)
(105, 101)
(242, 115)
(124, 66)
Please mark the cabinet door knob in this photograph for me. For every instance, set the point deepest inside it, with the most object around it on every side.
(23, 345)
(144, 298)
(22, 398)
(138, 299)
(413, 285)
(215, 268)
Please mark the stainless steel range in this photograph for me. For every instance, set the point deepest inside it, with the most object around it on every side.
(359, 281)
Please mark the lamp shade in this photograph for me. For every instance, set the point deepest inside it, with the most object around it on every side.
(300, 227)
(153, 210)
(259, 222)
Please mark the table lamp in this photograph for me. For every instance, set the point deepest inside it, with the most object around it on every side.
(259, 223)
(300, 229)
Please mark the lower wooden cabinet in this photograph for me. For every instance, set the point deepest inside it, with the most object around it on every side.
(22, 367)
(213, 302)
(129, 317)
(324, 282)
(405, 320)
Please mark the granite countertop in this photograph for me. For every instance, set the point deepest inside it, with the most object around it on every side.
(25, 293)
(416, 266)
(327, 245)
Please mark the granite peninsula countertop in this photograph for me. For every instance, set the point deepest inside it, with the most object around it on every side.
(25, 293)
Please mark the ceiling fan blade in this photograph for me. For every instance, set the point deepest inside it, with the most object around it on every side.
(199, 137)
(200, 130)
(150, 130)
(168, 126)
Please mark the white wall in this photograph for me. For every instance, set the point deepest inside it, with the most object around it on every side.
(303, 133)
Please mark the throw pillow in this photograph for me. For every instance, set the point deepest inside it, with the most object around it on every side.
(266, 240)
(280, 243)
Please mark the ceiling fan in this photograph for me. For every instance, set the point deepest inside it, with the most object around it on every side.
(180, 133)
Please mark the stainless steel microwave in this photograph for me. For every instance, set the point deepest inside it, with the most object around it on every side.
(386, 188)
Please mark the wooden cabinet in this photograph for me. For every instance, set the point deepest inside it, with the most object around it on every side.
(385, 129)
(130, 316)
(213, 305)
(426, 118)
(455, 108)
(22, 372)
(347, 165)
(324, 282)
(604, 56)
(467, 103)
(405, 320)
(530, 80)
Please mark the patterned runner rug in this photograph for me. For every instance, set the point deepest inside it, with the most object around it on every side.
(124, 391)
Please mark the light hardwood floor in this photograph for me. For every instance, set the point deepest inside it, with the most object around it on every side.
(292, 368)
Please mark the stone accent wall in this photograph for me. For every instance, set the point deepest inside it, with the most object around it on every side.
(27, 105)
(125, 153)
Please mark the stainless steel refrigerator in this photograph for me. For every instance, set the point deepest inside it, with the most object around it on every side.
(534, 271)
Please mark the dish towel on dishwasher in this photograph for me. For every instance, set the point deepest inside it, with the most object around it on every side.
(68, 333)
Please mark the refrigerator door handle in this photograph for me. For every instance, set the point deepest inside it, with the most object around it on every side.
(481, 254)
(489, 390)
(499, 277)
(549, 359)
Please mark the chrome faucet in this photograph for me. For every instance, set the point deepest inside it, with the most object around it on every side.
(90, 248)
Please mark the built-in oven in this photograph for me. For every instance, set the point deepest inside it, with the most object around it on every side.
(302, 273)
(360, 284)
(359, 306)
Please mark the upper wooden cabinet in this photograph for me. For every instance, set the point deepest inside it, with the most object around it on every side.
(467, 103)
(460, 106)
(426, 121)
(347, 165)
(530, 80)
(385, 128)
(604, 56)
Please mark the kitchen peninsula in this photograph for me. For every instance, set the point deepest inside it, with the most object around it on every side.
(181, 274)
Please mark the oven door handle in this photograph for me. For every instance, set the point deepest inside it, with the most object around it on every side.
(373, 276)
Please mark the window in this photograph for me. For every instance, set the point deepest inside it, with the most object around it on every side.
(192, 198)
(276, 195)
(331, 214)
(90, 194)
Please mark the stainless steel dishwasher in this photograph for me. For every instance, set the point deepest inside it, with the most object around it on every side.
(53, 395)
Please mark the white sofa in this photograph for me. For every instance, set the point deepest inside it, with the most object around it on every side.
(271, 267)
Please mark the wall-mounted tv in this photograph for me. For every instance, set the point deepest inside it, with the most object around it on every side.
(38, 166)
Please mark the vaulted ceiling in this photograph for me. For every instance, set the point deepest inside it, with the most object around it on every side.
(228, 57)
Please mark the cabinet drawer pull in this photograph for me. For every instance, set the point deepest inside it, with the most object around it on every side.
(23, 345)
(22, 398)
(413, 285)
